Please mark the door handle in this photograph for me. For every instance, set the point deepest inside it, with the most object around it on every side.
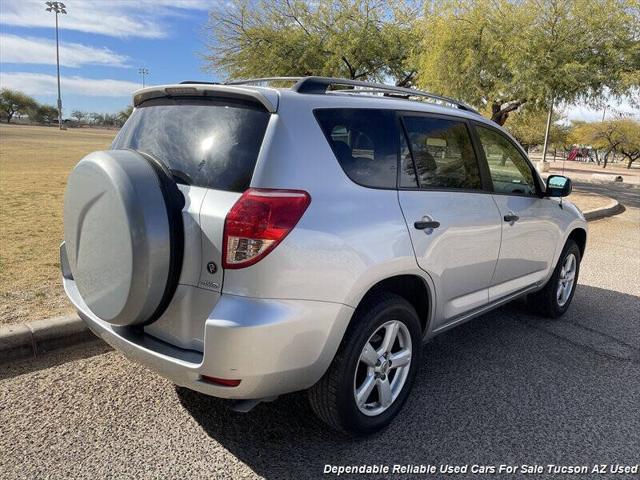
(511, 217)
(426, 225)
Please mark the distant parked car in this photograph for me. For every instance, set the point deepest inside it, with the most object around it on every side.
(246, 241)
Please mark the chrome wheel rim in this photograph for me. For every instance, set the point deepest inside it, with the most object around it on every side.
(383, 368)
(567, 279)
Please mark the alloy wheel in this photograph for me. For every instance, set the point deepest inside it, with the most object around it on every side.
(566, 279)
(383, 368)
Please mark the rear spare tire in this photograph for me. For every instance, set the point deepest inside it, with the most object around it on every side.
(123, 235)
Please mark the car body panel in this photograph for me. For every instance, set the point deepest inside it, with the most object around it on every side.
(528, 245)
(461, 254)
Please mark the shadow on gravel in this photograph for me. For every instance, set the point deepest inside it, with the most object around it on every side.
(507, 387)
(51, 359)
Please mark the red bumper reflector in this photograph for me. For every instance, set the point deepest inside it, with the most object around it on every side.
(221, 381)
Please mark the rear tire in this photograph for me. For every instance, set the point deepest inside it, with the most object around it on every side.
(554, 299)
(364, 366)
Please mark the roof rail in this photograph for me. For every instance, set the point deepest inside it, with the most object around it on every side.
(253, 81)
(320, 85)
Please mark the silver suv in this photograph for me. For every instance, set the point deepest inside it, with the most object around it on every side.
(246, 241)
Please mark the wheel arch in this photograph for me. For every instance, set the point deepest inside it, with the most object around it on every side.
(413, 288)
(579, 235)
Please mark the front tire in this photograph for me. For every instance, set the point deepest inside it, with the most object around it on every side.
(373, 371)
(554, 299)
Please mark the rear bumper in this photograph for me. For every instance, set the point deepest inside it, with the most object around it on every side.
(272, 346)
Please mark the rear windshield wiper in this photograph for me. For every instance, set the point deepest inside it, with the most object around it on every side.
(181, 177)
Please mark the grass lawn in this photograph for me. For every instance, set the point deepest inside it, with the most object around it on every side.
(34, 165)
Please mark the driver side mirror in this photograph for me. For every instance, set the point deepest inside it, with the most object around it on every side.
(558, 186)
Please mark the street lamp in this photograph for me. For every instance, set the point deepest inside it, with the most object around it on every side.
(143, 71)
(58, 8)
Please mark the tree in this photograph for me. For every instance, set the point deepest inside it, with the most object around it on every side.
(79, 115)
(123, 115)
(357, 39)
(44, 114)
(620, 135)
(96, 118)
(528, 126)
(13, 102)
(501, 54)
(629, 145)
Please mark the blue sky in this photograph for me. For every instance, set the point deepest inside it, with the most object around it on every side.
(103, 43)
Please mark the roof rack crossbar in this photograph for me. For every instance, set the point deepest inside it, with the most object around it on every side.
(320, 85)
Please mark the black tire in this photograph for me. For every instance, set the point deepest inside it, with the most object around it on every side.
(545, 302)
(332, 398)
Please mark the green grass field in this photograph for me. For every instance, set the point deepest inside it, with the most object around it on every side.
(34, 165)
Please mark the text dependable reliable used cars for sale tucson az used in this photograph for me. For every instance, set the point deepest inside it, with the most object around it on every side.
(246, 241)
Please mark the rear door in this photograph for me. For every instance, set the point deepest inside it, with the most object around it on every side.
(211, 146)
(529, 232)
(453, 221)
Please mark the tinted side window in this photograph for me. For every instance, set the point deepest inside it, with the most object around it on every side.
(364, 142)
(443, 153)
(510, 172)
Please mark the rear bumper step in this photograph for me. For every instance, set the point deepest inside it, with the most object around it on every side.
(274, 346)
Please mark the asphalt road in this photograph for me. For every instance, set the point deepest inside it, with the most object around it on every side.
(506, 388)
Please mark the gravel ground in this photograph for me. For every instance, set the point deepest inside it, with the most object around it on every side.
(507, 388)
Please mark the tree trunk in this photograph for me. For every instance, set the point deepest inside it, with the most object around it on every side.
(500, 111)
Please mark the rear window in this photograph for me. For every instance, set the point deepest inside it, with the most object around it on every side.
(364, 142)
(204, 142)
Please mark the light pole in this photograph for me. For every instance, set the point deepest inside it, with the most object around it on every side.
(58, 8)
(546, 132)
(143, 71)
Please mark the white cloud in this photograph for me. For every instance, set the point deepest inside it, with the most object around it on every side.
(116, 18)
(44, 84)
(16, 49)
(614, 108)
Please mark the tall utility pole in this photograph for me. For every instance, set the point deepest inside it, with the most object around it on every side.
(143, 71)
(546, 132)
(58, 8)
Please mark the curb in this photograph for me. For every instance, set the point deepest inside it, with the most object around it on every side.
(33, 339)
(612, 208)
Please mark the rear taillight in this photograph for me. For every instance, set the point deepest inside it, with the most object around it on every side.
(258, 222)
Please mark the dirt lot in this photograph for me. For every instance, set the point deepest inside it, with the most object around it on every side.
(34, 164)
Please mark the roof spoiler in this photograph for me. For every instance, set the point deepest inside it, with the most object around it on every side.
(268, 98)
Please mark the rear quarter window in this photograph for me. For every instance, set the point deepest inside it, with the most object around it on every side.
(364, 142)
(210, 143)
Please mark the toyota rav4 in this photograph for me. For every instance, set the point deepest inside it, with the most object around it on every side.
(247, 241)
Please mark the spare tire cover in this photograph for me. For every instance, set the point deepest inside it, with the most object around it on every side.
(117, 231)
